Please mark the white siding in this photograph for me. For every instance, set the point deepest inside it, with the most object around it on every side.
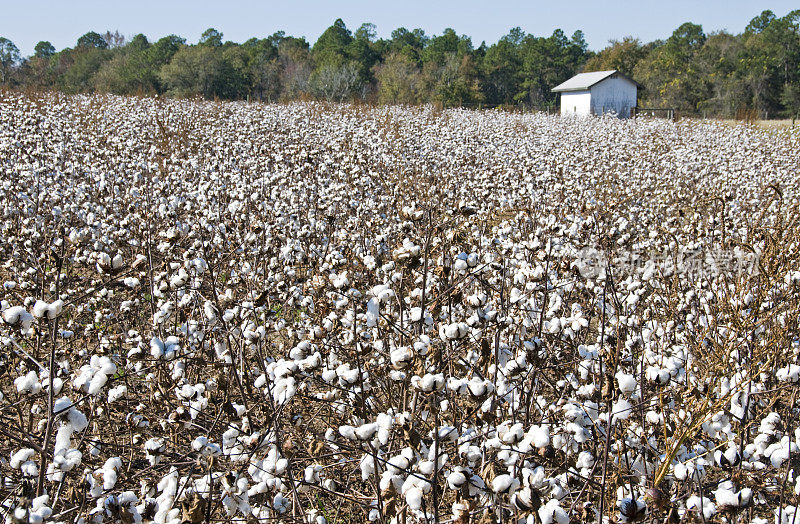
(576, 103)
(613, 94)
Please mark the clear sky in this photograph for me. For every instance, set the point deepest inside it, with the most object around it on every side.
(26, 22)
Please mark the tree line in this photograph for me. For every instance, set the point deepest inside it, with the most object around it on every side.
(756, 72)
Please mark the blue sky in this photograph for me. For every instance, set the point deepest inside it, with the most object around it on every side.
(63, 21)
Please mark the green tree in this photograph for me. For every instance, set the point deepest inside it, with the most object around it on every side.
(362, 51)
(129, 71)
(409, 43)
(501, 68)
(546, 62)
(77, 68)
(331, 48)
(194, 70)
(717, 62)
(9, 58)
(211, 37)
(92, 40)
(621, 55)
(44, 49)
(399, 80)
(671, 73)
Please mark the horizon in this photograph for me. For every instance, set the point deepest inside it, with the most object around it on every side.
(309, 19)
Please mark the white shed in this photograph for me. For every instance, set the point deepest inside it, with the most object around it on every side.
(598, 93)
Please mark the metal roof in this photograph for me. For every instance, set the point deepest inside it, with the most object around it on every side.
(584, 81)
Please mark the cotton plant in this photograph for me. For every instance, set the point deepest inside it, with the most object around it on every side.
(469, 324)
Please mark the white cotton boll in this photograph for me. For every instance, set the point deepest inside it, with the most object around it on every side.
(401, 357)
(585, 460)
(40, 309)
(156, 347)
(790, 373)
(425, 467)
(28, 383)
(63, 436)
(96, 384)
(457, 478)
(478, 387)
(680, 471)
(626, 382)
(726, 497)
(107, 366)
(367, 466)
(367, 431)
(20, 457)
(110, 473)
(54, 309)
(414, 498)
(348, 432)
(553, 513)
(504, 484)
(540, 436)
(695, 504)
(513, 435)
(779, 456)
(450, 332)
(77, 419)
(18, 316)
(621, 410)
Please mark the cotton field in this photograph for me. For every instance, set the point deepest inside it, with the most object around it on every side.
(330, 313)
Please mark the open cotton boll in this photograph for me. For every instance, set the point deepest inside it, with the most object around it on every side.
(54, 309)
(109, 472)
(401, 357)
(626, 382)
(728, 499)
(504, 484)
(40, 309)
(539, 435)
(18, 316)
(457, 478)
(20, 457)
(553, 513)
(28, 383)
(413, 498)
(697, 505)
(621, 410)
(790, 373)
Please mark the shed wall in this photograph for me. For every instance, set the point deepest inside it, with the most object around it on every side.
(613, 94)
(576, 103)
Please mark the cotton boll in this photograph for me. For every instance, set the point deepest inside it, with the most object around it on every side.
(54, 309)
(348, 432)
(96, 384)
(18, 316)
(513, 434)
(413, 498)
(540, 436)
(627, 383)
(457, 478)
(367, 431)
(401, 357)
(553, 513)
(20, 457)
(504, 484)
(621, 410)
(697, 505)
(28, 383)
(40, 309)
